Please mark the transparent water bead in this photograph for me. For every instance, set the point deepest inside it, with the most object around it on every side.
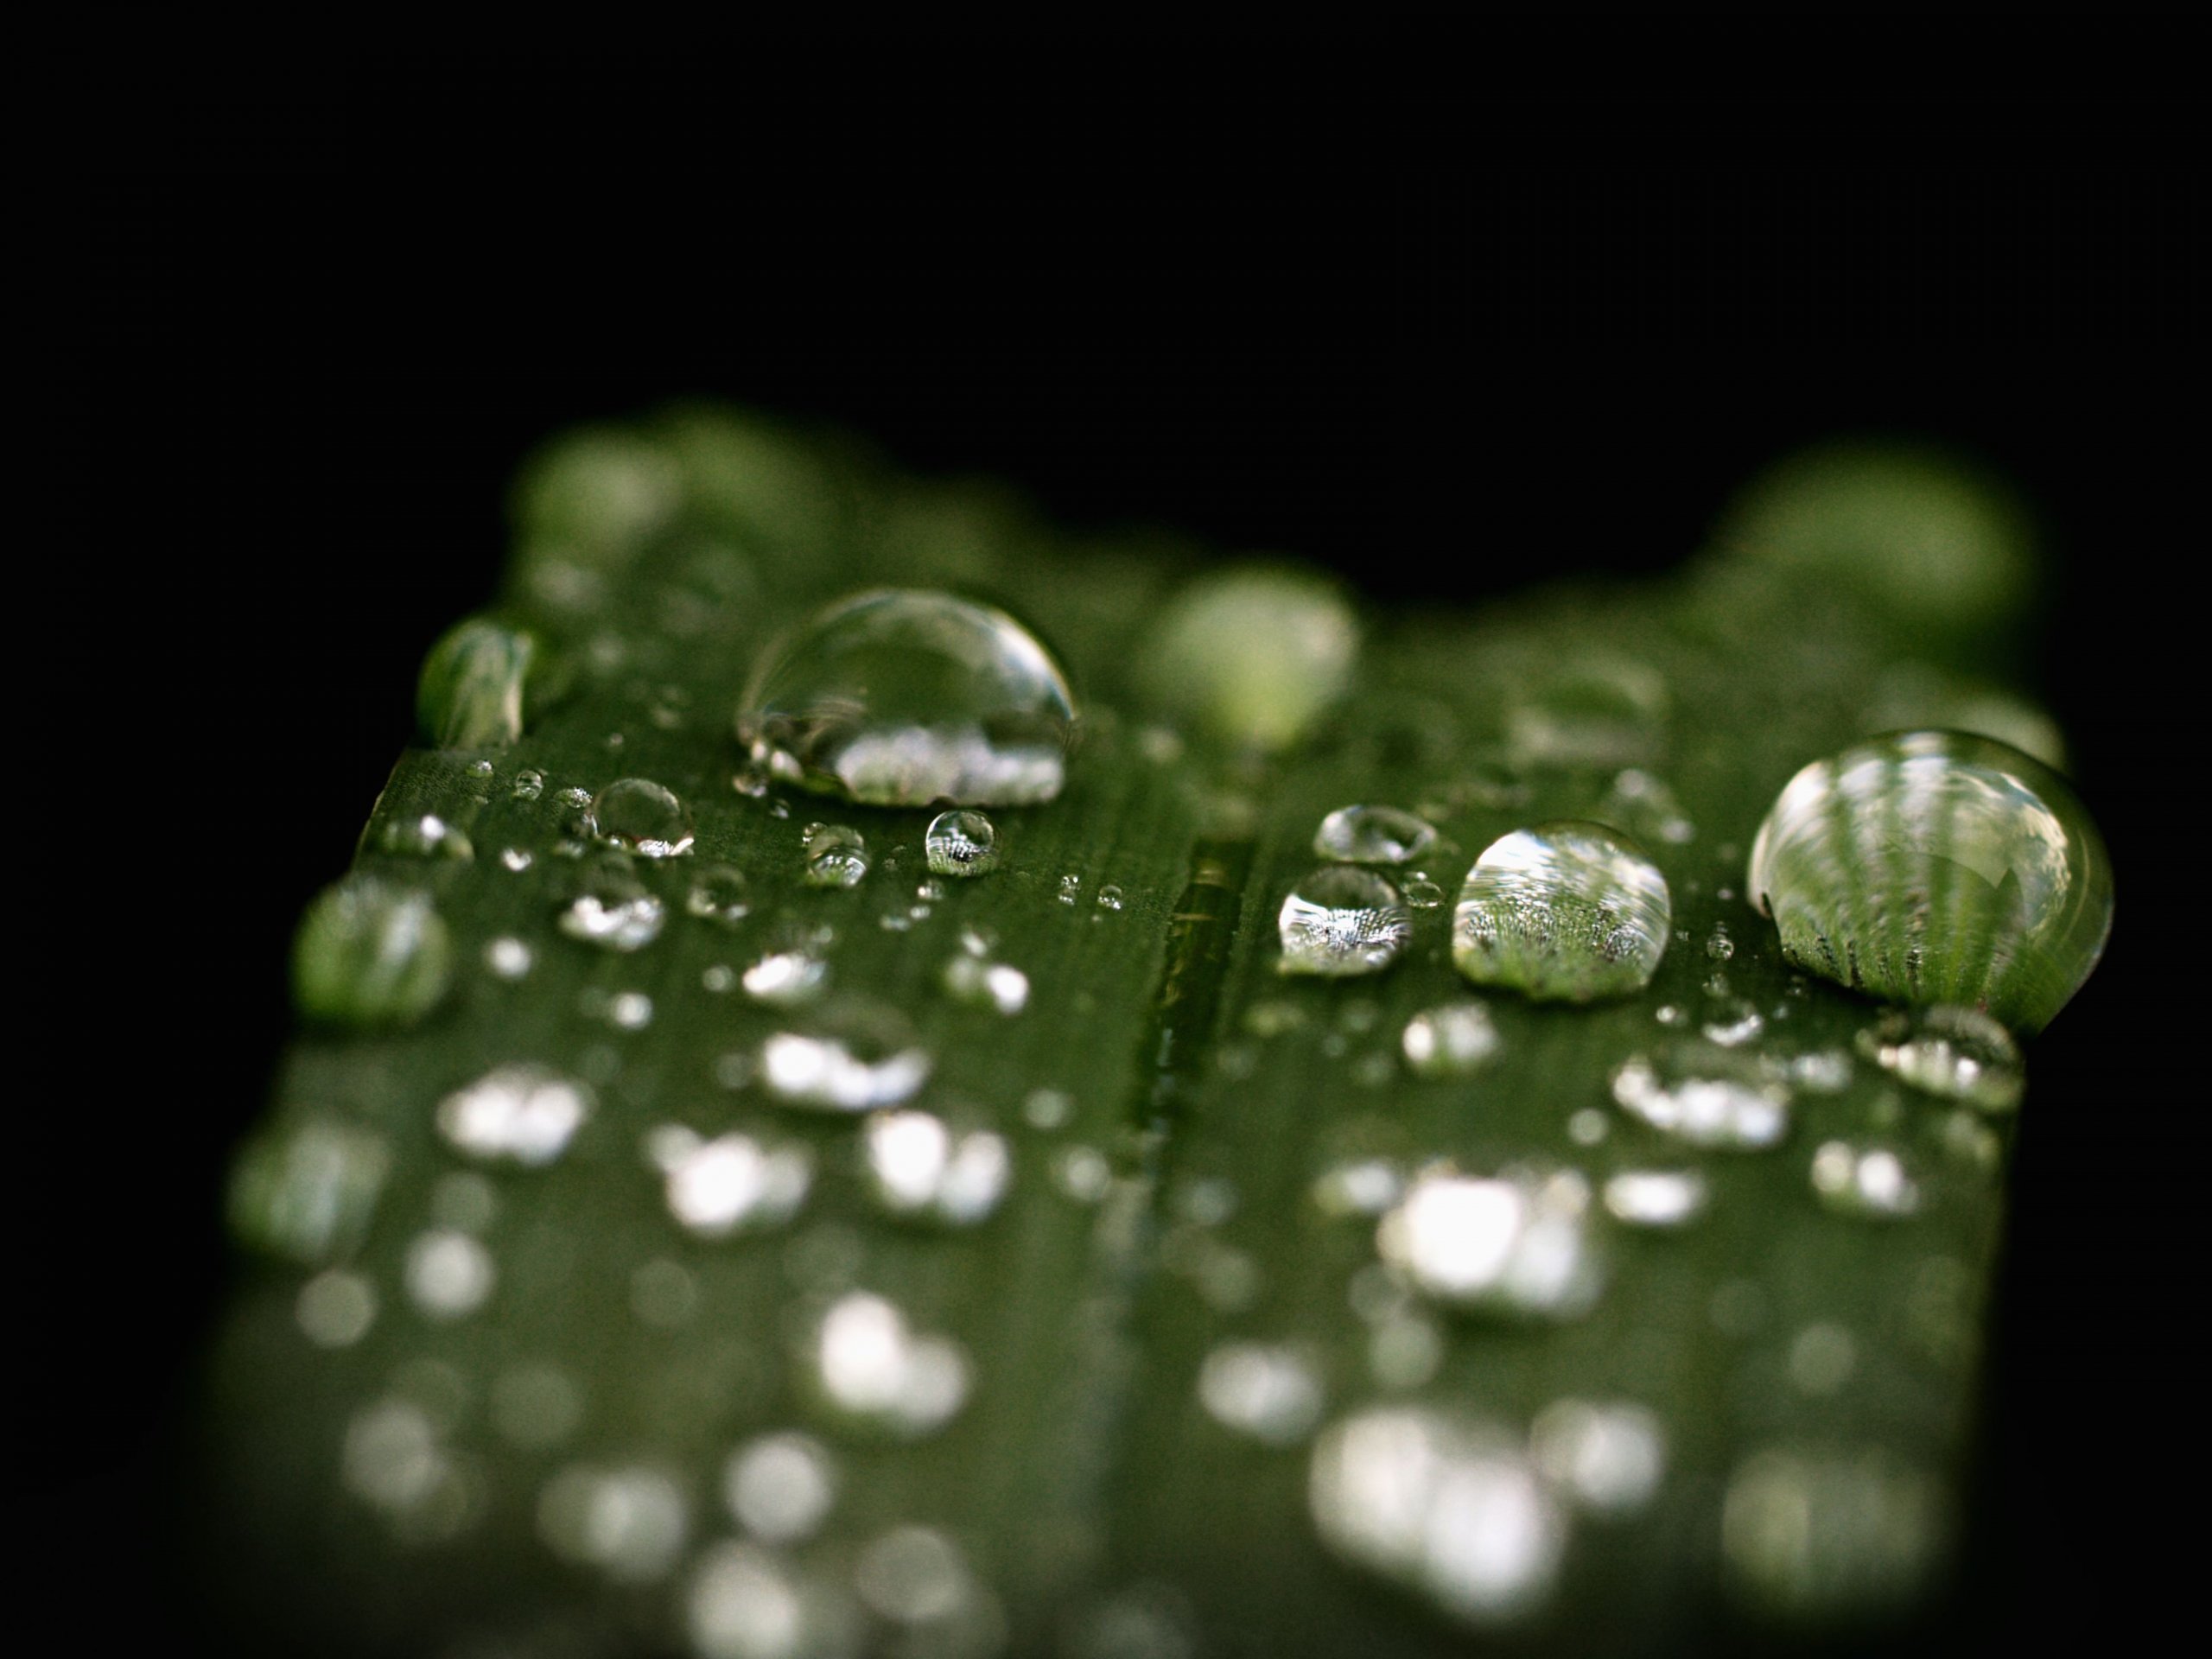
(789, 975)
(1937, 868)
(1261, 1389)
(721, 893)
(1955, 1053)
(425, 834)
(640, 816)
(1519, 1243)
(734, 1183)
(902, 697)
(1656, 1198)
(1450, 1040)
(1373, 835)
(612, 909)
(1251, 657)
(780, 1486)
(855, 1055)
(1449, 1508)
(470, 694)
(371, 954)
(837, 856)
(522, 1113)
(1705, 1095)
(921, 1168)
(998, 986)
(1341, 920)
(961, 841)
(877, 1372)
(1867, 1181)
(1564, 911)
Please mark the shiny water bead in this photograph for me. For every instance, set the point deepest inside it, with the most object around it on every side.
(1863, 1180)
(1956, 1053)
(1449, 1507)
(731, 1184)
(780, 1486)
(920, 1166)
(853, 1056)
(612, 909)
(901, 696)
(370, 954)
(1518, 1243)
(1261, 1389)
(1251, 657)
(1373, 835)
(837, 857)
(961, 841)
(720, 893)
(640, 816)
(523, 1114)
(1564, 912)
(1935, 867)
(1342, 920)
(1706, 1095)
(425, 834)
(874, 1371)
(470, 694)
(1450, 1040)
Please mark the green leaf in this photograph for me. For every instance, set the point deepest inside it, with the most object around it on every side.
(497, 1401)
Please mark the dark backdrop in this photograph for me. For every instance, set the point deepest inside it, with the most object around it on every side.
(323, 317)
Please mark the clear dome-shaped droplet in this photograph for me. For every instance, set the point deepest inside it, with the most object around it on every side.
(640, 816)
(1564, 912)
(525, 1114)
(612, 909)
(901, 696)
(1935, 867)
(470, 694)
(369, 954)
(837, 857)
(1373, 835)
(720, 893)
(962, 843)
(1342, 920)
(1953, 1053)
(853, 1056)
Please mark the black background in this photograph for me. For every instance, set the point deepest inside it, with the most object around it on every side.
(1366, 308)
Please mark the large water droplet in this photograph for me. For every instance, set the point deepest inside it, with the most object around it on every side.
(901, 696)
(1516, 1244)
(525, 1114)
(640, 816)
(1341, 921)
(1563, 911)
(1934, 866)
(1251, 657)
(876, 1371)
(962, 843)
(1953, 1052)
(919, 1167)
(612, 909)
(1705, 1095)
(370, 954)
(1656, 1198)
(854, 1055)
(837, 857)
(745, 1602)
(1448, 1507)
(470, 694)
(1373, 835)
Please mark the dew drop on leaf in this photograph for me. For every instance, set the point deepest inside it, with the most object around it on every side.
(641, 817)
(1565, 910)
(1341, 921)
(961, 841)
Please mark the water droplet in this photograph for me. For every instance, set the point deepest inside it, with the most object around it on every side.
(1563, 911)
(517, 859)
(1515, 1244)
(507, 956)
(876, 1371)
(1700, 1095)
(1587, 1126)
(916, 1578)
(987, 984)
(1951, 1053)
(780, 1486)
(856, 1056)
(1934, 866)
(901, 697)
(629, 1522)
(448, 1274)
(470, 694)
(1607, 1456)
(1646, 806)
(1082, 1173)
(1358, 1186)
(837, 856)
(1823, 1534)
(395, 1459)
(524, 1114)
(1421, 893)
(1450, 1040)
(1449, 1507)
(335, 1308)
(1656, 1198)
(425, 834)
(612, 909)
(1718, 947)
(308, 1192)
(1251, 657)
(369, 954)
(1262, 1390)
(640, 816)
(1071, 886)
(529, 784)
(745, 1602)
(1733, 1023)
(1869, 1181)
(1109, 897)
(720, 893)
(1047, 1108)
(961, 841)
(1342, 920)
(624, 1010)
(919, 1167)
(793, 973)
(732, 1183)
(574, 797)
(1373, 835)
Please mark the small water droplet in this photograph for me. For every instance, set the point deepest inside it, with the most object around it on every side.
(1265, 1390)
(1358, 1186)
(1515, 1244)
(837, 856)
(629, 1522)
(448, 1274)
(524, 1114)
(529, 784)
(508, 957)
(1450, 1041)
(308, 1192)
(612, 909)
(720, 893)
(1703, 1095)
(517, 859)
(961, 841)
(470, 694)
(335, 1308)
(875, 1372)
(735, 1183)
(1562, 911)
(1373, 835)
(1607, 1456)
(983, 984)
(1718, 945)
(1587, 1126)
(745, 1602)
(1342, 920)
(919, 1167)
(1082, 1173)
(855, 1056)
(425, 834)
(1867, 1181)
(1951, 1053)
(1071, 886)
(1656, 1198)
(1047, 1108)
(640, 816)
(1421, 893)
(1733, 1023)
(793, 973)
(1109, 897)
(369, 954)
(1937, 868)
(901, 697)
(780, 1486)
